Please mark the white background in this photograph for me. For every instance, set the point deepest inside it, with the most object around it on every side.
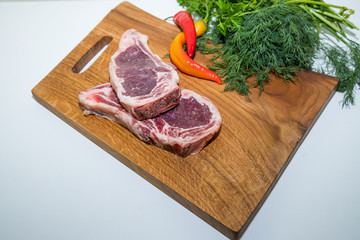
(57, 184)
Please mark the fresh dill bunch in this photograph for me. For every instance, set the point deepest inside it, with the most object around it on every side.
(225, 19)
(278, 40)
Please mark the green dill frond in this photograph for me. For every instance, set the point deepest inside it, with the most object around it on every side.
(344, 64)
(279, 39)
(205, 46)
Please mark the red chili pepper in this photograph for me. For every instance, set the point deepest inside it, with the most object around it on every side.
(184, 20)
(184, 63)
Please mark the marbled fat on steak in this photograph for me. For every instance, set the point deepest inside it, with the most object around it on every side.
(145, 85)
(183, 130)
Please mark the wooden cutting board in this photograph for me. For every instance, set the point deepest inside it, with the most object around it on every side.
(227, 182)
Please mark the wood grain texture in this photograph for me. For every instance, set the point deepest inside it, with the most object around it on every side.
(227, 182)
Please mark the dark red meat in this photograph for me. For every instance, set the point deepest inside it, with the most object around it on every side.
(145, 85)
(183, 130)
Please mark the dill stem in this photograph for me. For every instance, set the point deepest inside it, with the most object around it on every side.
(316, 3)
(318, 15)
(332, 15)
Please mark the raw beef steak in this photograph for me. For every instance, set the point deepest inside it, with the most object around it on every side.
(183, 130)
(145, 85)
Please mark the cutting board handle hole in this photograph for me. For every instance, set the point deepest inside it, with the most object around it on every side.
(92, 54)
